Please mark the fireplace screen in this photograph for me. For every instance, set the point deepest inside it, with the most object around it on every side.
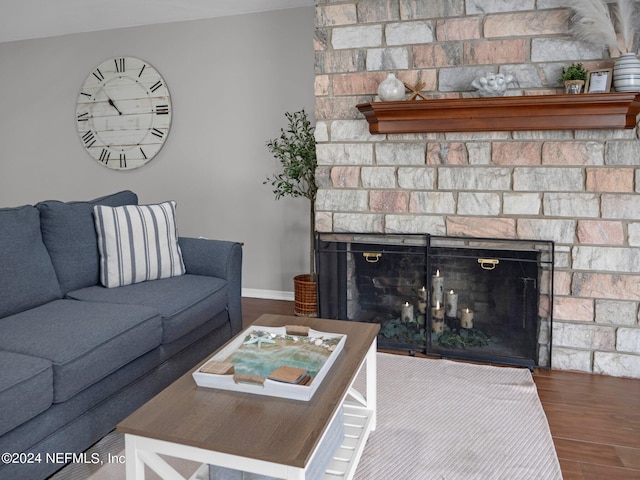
(478, 299)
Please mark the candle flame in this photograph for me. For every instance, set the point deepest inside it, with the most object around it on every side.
(437, 304)
(437, 272)
(451, 291)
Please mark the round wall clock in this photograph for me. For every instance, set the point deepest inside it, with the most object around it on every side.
(123, 113)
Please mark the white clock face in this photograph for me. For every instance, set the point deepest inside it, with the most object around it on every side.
(123, 113)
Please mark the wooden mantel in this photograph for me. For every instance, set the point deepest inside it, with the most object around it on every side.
(535, 112)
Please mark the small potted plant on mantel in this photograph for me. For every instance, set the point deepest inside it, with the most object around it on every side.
(574, 77)
(295, 149)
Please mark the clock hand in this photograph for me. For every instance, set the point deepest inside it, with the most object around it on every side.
(113, 104)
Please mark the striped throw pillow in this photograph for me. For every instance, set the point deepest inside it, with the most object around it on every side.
(137, 243)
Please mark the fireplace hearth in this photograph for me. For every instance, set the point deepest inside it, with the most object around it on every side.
(458, 297)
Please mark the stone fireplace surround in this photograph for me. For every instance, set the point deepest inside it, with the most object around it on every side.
(579, 188)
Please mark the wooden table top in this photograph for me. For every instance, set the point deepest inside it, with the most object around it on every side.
(265, 428)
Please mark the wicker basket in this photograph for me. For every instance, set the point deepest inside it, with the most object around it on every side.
(305, 296)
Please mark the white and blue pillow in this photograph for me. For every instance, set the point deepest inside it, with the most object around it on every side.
(137, 243)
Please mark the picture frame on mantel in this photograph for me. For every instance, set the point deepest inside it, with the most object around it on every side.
(599, 81)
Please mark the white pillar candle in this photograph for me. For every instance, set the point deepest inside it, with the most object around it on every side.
(437, 319)
(407, 312)
(422, 300)
(451, 304)
(466, 318)
(422, 293)
(437, 289)
(422, 307)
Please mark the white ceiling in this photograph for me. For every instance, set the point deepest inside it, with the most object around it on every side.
(24, 19)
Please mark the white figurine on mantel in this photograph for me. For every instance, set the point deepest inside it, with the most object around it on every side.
(492, 85)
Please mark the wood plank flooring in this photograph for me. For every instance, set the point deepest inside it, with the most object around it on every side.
(594, 419)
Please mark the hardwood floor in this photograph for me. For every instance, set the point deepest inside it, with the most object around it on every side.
(594, 419)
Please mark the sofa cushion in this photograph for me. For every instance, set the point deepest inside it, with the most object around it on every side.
(137, 243)
(26, 388)
(27, 277)
(185, 302)
(85, 341)
(69, 233)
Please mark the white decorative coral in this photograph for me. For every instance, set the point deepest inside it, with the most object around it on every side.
(492, 85)
(592, 23)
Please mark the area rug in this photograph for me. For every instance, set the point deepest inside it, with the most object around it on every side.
(446, 420)
(437, 420)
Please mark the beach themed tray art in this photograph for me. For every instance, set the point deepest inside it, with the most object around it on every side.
(289, 362)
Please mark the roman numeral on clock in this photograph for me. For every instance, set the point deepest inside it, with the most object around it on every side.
(156, 86)
(162, 109)
(120, 65)
(123, 160)
(143, 154)
(89, 138)
(157, 133)
(98, 74)
(83, 117)
(104, 155)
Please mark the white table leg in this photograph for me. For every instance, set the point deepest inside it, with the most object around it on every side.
(134, 468)
(372, 385)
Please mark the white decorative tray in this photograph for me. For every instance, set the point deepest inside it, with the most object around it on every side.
(245, 364)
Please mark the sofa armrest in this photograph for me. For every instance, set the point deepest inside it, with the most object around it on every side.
(217, 258)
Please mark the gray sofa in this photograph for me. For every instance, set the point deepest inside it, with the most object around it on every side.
(76, 357)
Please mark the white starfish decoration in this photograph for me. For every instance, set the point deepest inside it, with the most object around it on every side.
(260, 339)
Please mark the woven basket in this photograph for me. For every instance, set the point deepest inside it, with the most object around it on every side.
(305, 296)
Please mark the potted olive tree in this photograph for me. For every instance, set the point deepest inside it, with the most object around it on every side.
(295, 149)
(573, 77)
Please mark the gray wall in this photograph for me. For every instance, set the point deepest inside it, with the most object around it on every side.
(231, 80)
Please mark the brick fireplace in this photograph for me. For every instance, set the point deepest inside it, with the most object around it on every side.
(577, 188)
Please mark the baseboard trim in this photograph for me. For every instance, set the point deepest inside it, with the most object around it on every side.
(267, 294)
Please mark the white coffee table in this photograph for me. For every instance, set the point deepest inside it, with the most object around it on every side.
(252, 433)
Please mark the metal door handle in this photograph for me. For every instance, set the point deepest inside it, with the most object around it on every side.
(488, 263)
(372, 257)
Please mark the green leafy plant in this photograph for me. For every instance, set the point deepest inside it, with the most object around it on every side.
(575, 71)
(397, 330)
(462, 338)
(295, 149)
